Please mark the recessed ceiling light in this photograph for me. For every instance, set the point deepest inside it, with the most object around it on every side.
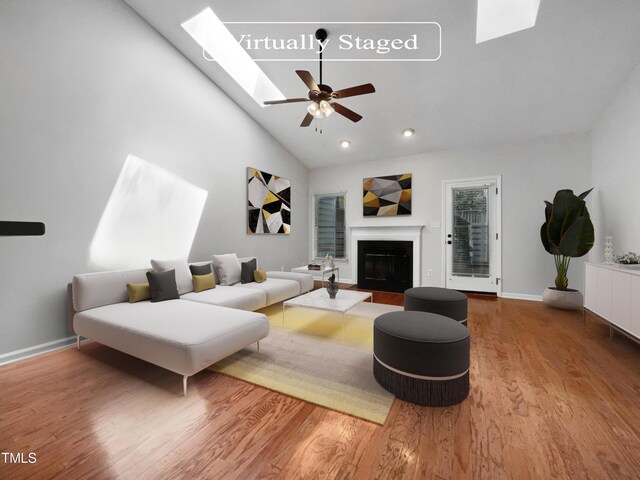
(408, 132)
(218, 42)
(345, 143)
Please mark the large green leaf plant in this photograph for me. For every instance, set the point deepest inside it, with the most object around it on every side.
(567, 231)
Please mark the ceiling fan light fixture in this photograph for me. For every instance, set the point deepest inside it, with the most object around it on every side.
(312, 108)
(326, 108)
(321, 95)
(408, 132)
(345, 143)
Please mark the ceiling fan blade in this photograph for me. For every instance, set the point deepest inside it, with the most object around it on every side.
(308, 80)
(287, 100)
(307, 120)
(353, 91)
(345, 112)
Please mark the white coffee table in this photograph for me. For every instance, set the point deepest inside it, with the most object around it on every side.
(319, 300)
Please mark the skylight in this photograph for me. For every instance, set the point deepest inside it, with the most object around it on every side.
(218, 42)
(497, 18)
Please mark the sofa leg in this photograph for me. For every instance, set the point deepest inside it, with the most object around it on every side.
(78, 342)
(258, 345)
(184, 385)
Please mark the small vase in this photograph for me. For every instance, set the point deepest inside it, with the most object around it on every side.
(608, 250)
(332, 289)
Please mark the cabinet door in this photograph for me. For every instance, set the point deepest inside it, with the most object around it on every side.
(621, 299)
(634, 320)
(591, 287)
(604, 292)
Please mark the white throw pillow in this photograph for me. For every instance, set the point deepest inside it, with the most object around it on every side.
(183, 274)
(228, 268)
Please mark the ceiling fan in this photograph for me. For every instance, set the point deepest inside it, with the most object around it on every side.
(323, 96)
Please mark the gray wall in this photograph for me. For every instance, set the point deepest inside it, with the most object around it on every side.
(84, 84)
(616, 171)
(532, 171)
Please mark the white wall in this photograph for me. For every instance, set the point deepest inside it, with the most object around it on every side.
(84, 84)
(532, 171)
(615, 143)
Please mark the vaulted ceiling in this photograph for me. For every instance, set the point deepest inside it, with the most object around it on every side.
(554, 78)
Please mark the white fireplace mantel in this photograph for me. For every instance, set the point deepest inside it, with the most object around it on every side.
(407, 233)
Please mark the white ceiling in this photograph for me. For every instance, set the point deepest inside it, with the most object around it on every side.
(551, 79)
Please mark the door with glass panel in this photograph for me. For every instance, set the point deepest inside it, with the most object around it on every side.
(471, 235)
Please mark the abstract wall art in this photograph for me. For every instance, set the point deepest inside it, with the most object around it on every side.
(269, 203)
(386, 196)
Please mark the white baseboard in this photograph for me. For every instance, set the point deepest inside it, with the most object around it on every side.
(25, 353)
(522, 296)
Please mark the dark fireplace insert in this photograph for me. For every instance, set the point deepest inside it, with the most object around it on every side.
(385, 265)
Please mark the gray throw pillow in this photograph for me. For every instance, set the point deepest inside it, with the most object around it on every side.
(215, 273)
(183, 275)
(228, 268)
(247, 269)
(200, 269)
(163, 285)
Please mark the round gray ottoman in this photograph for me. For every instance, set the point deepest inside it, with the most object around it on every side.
(422, 357)
(443, 301)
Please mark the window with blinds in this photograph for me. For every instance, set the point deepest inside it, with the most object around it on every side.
(329, 226)
(470, 232)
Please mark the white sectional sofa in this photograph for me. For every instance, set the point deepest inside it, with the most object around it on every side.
(184, 335)
(278, 287)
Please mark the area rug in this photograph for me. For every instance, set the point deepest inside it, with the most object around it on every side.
(319, 358)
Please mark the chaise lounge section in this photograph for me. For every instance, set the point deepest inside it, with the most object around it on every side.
(184, 335)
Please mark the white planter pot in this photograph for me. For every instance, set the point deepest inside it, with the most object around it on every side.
(564, 299)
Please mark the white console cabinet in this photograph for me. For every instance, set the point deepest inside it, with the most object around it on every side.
(613, 293)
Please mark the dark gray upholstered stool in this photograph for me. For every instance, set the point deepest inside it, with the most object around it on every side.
(443, 301)
(422, 357)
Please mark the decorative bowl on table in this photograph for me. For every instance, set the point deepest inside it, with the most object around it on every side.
(629, 260)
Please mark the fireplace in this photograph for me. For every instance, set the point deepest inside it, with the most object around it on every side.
(385, 265)
(411, 234)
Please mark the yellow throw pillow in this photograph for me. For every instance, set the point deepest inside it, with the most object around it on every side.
(203, 282)
(259, 275)
(138, 292)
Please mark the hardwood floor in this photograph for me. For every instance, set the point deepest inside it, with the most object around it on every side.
(551, 397)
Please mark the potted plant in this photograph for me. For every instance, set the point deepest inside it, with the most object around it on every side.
(566, 233)
(332, 286)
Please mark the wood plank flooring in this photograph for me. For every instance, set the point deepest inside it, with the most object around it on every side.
(551, 397)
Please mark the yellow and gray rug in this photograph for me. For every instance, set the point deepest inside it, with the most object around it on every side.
(318, 358)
